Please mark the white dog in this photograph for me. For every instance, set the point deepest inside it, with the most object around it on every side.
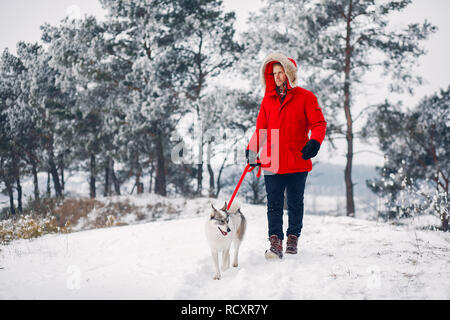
(222, 228)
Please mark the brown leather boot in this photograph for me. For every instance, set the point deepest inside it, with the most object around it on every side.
(276, 248)
(291, 244)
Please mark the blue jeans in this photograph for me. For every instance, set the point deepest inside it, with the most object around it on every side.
(294, 183)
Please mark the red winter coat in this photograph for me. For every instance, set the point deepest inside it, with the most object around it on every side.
(294, 118)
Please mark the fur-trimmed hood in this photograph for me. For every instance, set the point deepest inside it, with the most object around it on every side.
(266, 73)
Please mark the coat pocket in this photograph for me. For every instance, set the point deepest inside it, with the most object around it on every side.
(294, 155)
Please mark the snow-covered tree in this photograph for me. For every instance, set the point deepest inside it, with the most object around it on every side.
(83, 53)
(26, 116)
(180, 46)
(415, 176)
(10, 161)
(151, 104)
(204, 47)
(48, 107)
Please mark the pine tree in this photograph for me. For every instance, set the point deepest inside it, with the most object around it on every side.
(89, 73)
(10, 69)
(26, 117)
(151, 106)
(47, 115)
(204, 47)
(417, 148)
(180, 45)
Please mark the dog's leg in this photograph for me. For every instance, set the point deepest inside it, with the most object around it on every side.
(226, 259)
(215, 256)
(238, 240)
(237, 244)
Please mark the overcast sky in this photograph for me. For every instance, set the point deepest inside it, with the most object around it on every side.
(20, 20)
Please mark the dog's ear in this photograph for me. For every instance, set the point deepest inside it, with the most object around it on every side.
(213, 212)
(214, 209)
(224, 208)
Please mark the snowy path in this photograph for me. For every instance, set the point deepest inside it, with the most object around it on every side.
(339, 258)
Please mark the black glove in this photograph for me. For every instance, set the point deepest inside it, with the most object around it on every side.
(251, 157)
(310, 149)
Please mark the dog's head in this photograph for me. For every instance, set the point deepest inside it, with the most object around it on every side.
(220, 219)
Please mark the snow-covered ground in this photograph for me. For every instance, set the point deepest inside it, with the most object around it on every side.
(339, 258)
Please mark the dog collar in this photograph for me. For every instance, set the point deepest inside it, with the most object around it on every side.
(223, 232)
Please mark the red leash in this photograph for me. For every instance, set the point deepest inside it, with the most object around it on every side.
(247, 169)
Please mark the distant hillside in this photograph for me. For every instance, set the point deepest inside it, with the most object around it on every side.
(326, 178)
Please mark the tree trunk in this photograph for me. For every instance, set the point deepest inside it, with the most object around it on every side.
(444, 222)
(444, 212)
(55, 178)
(92, 178)
(150, 185)
(11, 196)
(211, 181)
(107, 174)
(61, 169)
(49, 190)
(349, 134)
(114, 179)
(138, 183)
(199, 179)
(19, 195)
(54, 173)
(62, 180)
(211, 172)
(160, 179)
(35, 180)
(219, 185)
(200, 168)
(140, 188)
(198, 90)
